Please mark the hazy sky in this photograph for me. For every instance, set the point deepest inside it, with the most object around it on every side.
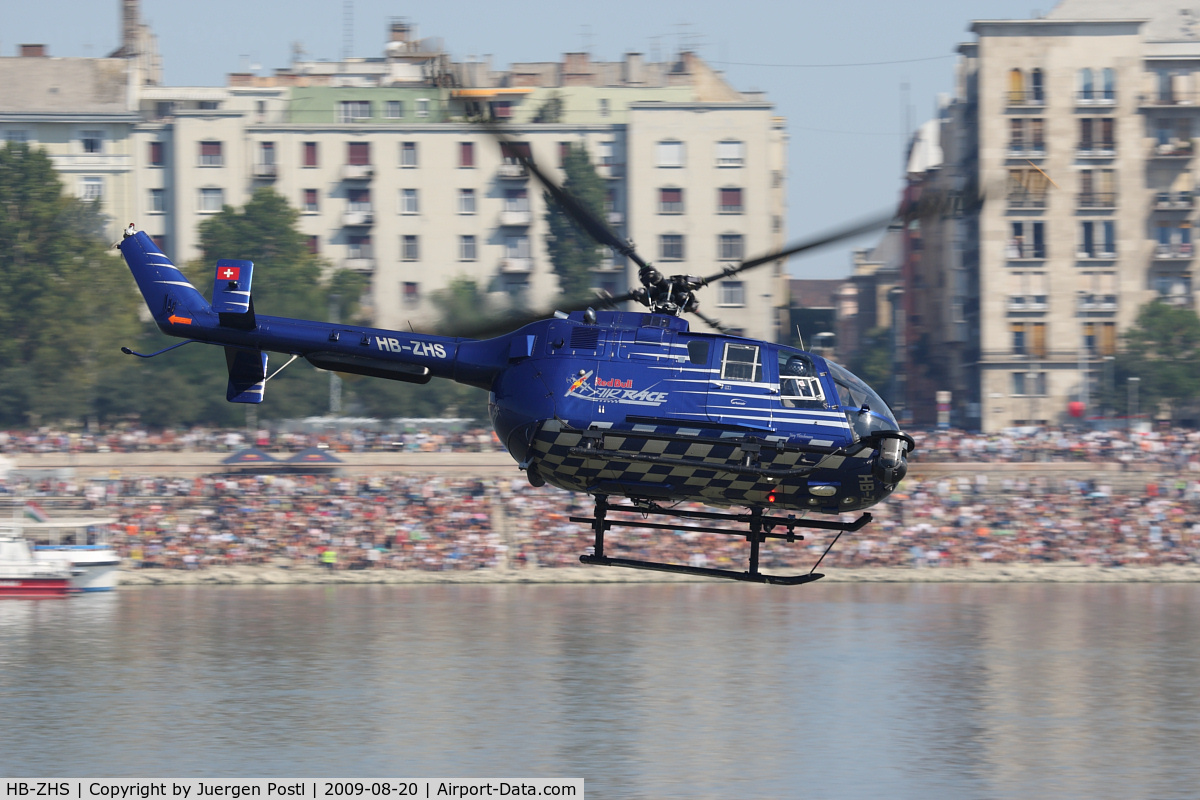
(847, 123)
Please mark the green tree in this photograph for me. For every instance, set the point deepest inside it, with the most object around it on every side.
(573, 253)
(65, 306)
(873, 361)
(1162, 349)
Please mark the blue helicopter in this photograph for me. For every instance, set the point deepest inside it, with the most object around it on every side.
(613, 403)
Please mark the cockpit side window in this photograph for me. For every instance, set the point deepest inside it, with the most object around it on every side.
(742, 362)
(799, 386)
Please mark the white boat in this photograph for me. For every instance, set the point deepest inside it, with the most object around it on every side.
(23, 575)
(94, 559)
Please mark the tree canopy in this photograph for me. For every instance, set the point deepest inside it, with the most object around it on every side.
(573, 253)
(66, 304)
(1162, 350)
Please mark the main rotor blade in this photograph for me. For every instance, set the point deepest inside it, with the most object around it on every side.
(812, 243)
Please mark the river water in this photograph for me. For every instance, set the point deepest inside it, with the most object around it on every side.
(645, 690)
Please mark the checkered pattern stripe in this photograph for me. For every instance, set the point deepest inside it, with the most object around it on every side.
(710, 484)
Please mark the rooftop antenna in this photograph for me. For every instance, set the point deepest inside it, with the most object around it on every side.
(586, 36)
(347, 29)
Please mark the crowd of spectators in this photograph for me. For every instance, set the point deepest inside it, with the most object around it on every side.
(440, 438)
(439, 523)
(1159, 447)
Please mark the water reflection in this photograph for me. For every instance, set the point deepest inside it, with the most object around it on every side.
(645, 690)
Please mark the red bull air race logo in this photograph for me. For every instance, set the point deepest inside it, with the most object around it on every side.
(613, 390)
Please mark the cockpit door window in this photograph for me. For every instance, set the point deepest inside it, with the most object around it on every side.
(799, 386)
(742, 362)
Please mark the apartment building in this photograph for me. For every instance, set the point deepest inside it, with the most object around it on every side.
(1077, 129)
(394, 175)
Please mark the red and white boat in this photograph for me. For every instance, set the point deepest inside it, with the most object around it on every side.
(22, 575)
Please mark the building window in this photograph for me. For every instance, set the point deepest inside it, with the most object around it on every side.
(210, 105)
(395, 109)
(466, 154)
(158, 201)
(92, 142)
(607, 154)
(1097, 136)
(732, 293)
(409, 248)
(408, 154)
(358, 154)
(502, 109)
(266, 153)
(670, 247)
(466, 248)
(354, 110)
(410, 294)
(604, 109)
(1027, 135)
(310, 154)
(730, 154)
(157, 154)
(311, 201)
(91, 189)
(730, 247)
(516, 200)
(359, 201)
(408, 202)
(16, 136)
(1029, 383)
(564, 149)
(516, 247)
(211, 200)
(423, 107)
(466, 201)
(359, 246)
(729, 201)
(670, 201)
(314, 245)
(1028, 240)
(210, 154)
(669, 154)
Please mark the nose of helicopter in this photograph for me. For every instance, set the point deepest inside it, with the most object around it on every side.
(891, 465)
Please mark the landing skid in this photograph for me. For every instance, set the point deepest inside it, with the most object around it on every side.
(761, 527)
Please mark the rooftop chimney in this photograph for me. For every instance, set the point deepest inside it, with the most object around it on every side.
(33, 50)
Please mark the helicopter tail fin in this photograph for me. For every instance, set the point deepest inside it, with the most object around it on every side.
(168, 294)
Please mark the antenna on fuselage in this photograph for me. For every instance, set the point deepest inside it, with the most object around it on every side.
(798, 336)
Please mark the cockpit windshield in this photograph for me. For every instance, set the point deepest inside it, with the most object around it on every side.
(864, 408)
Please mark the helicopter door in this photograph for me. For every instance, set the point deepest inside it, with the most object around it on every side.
(739, 393)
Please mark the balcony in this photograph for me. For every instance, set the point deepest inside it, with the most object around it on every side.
(359, 263)
(516, 265)
(1168, 99)
(91, 162)
(1019, 148)
(356, 218)
(1027, 302)
(615, 217)
(1027, 98)
(266, 171)
(513, 171)
(516, 218)
(1018, 250)
(1097, 200)
(1179, 201)
(1095, 254)
(1179, 251)
(1027, 200)
(1096, 97)
(357, 172)
(1096, 302)
(1092, 149)
(1176, 148)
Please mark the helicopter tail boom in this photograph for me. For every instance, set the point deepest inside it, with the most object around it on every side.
(171, 298)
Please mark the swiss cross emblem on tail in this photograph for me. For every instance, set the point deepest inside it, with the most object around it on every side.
(229, 273)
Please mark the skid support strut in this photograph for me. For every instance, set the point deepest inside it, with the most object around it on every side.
(760, 528)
